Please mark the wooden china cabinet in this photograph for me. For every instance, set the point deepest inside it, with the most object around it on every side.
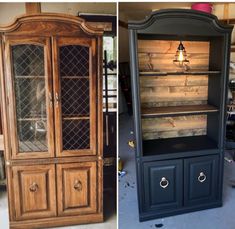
(51, 83)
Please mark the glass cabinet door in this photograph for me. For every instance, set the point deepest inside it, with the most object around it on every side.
(30, 98)
(75, 96)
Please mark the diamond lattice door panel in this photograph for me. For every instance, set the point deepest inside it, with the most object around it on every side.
(76, 97)
(31, 90)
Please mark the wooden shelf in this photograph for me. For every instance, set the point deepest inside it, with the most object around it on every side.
(76, 118)
(176, 145)
(177, 110)
(30, 77)
(75, 77)
(165, 73)
(31, 119)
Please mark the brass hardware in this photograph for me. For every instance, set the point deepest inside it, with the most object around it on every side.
(100, 158)
(8, 163)
(77, 185)
(50, 99)
(202, 177)
(57, 98)
(164, 182)
(33, 187)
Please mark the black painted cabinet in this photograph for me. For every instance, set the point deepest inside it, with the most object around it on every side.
(179, 72)
(162, 185)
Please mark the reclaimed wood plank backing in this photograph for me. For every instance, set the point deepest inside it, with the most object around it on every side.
(162, 54)
(173, 90)
(179, 126)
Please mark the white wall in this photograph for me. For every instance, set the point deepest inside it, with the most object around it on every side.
(8, 11)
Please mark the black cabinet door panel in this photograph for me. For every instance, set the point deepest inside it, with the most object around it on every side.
(162, 185)
(200, 180)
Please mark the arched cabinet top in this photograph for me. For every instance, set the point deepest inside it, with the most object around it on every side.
(45, 24)
(184, 22)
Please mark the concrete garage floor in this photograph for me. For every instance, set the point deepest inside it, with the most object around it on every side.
(217, 218)
(109, 213)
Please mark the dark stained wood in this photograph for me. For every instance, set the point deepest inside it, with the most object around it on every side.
(177, 110)
(33, 8)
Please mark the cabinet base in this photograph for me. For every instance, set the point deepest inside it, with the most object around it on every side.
(57, 221)
(160, 214)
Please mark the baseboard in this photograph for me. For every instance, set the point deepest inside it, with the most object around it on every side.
(57, 221)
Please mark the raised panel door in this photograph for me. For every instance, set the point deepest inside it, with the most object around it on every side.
(34, 191)
(77, 188)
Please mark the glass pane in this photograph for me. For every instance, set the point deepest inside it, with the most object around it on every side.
(29, 81)
(75, 97)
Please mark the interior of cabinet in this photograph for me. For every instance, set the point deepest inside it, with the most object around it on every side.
(180, 106)
(75, 96)
(30, 97)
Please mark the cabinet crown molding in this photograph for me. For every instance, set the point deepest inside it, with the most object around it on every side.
(51, 17)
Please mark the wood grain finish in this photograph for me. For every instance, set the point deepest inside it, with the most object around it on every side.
(86, 42)
(77, 188)
(173, 91)
(34, 178)
(45, 42)
(33, 8)
(161, 54)
(176, 126)
(34, 191)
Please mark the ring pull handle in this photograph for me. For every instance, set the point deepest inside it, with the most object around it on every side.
(33, 187)
(77, 185)
(164, 182)
(202, 177)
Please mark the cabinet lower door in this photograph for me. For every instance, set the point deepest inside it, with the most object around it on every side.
(77, 188)
(162, 185)
(34, 191)
(201, 180)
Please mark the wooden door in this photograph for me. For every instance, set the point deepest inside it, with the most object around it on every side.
(34, 191)
(29, 83)
(77, 188)
(75, 73)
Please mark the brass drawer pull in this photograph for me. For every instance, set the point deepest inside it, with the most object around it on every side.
(202, 177)
(164, 182)
(50, 99)
(33, 187)
(77, 185)
(57, 98)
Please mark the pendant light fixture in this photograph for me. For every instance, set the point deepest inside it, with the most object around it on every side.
(181, 55)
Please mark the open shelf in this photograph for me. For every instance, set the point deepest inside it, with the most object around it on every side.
(177, 110)
(176, 145)
(165, 73)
